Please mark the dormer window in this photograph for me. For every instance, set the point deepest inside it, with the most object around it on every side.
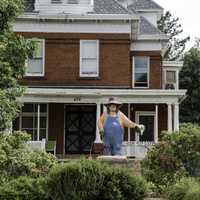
(64, 6)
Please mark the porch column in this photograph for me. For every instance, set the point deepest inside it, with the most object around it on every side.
(98, 114)
(129, 116)
(156, 124)
(38, 122)
(176, 117)
(169, 117)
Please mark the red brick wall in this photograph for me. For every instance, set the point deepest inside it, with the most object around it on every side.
(56, 126)
(155, 67)
(62, 60)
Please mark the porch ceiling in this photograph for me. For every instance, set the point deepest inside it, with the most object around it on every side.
(58, 95)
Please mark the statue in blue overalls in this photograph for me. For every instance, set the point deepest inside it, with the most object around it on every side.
(111, 127)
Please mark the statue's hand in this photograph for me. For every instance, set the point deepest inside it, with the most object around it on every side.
(140, 128)
(101, 132)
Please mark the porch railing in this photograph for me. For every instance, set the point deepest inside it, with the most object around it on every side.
(136, 149)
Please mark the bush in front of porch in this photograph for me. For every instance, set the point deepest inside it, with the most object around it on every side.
(16, 160)
(93, 180)
(177, 156)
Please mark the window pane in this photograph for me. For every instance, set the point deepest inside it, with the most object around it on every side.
(89, 66)
(35, 66)
(28, 108)
(42, 134)
(141, 62)
(141, 78)
(141, 71)
(171, 76)
(27, 122)
(43, 108)
(38, 53)
(89, 49)
(43, 122)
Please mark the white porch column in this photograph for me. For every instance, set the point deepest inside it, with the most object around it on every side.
(169, 117)
(176, 117)
(98, 114)
(129, 116)
(38, 122)
(156, 124)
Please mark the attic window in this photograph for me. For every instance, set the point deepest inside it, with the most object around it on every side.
(56, 1)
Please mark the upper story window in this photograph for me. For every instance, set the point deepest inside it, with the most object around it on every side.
(89, 58)
(171, 79)
(35, 64)
(141, 71)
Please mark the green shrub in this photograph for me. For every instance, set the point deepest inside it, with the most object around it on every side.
(186, 147)
(162, 167)
(178, 155)
(16, 160)
(92, 180)
(185, 189)
(23, 188)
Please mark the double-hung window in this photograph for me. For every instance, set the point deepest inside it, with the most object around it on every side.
(35, 64)
(89, 58)
(141, 71)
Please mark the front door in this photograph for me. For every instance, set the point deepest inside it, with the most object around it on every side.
(80, 128)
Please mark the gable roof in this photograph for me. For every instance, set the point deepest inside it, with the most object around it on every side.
(144, 4)
(146, 28)
(108, 7)
(100, 7)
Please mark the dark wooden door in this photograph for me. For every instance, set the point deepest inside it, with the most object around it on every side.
(80, 128)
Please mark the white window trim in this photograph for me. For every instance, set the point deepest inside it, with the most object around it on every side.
(35, 114)
(146, 113)
(43, 61)
(80, 61)
(165, 76)
(133, 71)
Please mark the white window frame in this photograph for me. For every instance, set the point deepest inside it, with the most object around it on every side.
(35, 114)
(146, 113)
(81, 57)
(43, 61)
(165, 76)
(133, 71)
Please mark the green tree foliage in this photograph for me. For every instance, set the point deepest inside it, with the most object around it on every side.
(171, 26)
(14, 50)
(190, 80)
(18, 160)
(178, 155)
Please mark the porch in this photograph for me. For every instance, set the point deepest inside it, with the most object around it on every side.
(69, 117)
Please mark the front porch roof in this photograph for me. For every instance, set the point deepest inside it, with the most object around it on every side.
(64, 95)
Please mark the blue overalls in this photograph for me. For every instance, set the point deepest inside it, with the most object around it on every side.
(113, 136)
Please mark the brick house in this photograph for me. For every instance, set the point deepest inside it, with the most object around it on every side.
(89, 50)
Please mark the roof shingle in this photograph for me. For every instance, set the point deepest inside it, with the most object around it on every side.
(144, 4)
(146, 28)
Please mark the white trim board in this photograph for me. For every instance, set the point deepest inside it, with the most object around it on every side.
(98, 95)
(61, 27)
(146, 46)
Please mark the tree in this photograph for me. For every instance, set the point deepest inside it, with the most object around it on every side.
(190, 80)
(173, 29)
(14, 50)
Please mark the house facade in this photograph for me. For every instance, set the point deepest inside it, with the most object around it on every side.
(87, 51)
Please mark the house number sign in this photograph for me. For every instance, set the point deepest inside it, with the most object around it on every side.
(77, 99)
